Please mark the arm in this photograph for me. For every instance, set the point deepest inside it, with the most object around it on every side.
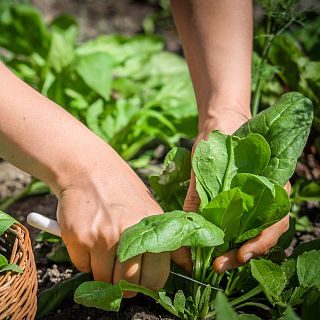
(98, 194)
(217, 41)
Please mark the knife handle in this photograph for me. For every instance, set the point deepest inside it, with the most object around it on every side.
(41, 222)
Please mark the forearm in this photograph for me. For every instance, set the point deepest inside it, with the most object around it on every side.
(40, 137)
(217, 41)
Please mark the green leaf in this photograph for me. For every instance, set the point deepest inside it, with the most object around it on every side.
(248, 317)
(298, 294)
(6, 222)
(50, 299)
(254, 146)
(171, 186)
(225, 211)
(311, 305)
(305, 247)
(179, 301)
(271, 278)
(101, 295)
(29, 39)
(3, 260)
(96, 71)
(43, 236)
(204, 302)
(168, 232)
(59, 254)
(95, 110)
(266, 204)
(285, 126)
(223, 308)
(308, 268)
(252, 205)
(108, 297)
(213, 158)
(11, 267)
(221, 157)
(289, 314)
(61, 52)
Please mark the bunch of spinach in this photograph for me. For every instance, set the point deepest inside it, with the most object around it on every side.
(239, 179)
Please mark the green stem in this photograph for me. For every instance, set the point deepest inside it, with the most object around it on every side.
(227, 291)
(247, 295)
(136, 288)
(206, 264)
(253, 304)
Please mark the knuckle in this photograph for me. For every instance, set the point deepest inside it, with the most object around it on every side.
(83, 268)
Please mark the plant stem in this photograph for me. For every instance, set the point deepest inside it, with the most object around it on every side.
(267, 45)
(227, 290)
(253, 304)
(148, 292)
(206, 264)
(247, 295)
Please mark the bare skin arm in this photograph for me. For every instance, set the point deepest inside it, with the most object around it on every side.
(98, 194)
(217, 41)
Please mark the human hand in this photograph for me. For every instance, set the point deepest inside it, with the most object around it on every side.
(96, 204)
(228, 122)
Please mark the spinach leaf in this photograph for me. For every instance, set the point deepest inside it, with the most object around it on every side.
(289, 314)
(225, 211)
(308, 268)
(3, 260)
(50, 299)
(285, 126)
(221, 157)
(252, 205)
(168, 232)
(11, 267)
(95, 70)
(6, 222)
(171, 186)
(108, 297)
(265, 203)
(5, 266)
(223, 308)
(271, 278)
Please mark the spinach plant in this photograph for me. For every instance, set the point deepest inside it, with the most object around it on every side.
(239, 179)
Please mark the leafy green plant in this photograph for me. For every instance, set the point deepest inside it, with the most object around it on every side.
(128, 90)
(240, 180)
(6, 222)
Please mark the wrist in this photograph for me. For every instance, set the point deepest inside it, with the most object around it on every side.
(79, 163)
(224, 116)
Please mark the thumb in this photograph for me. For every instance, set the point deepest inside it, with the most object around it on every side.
(192, 201)
(182, 257)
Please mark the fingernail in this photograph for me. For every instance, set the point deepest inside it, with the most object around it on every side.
(247, 256)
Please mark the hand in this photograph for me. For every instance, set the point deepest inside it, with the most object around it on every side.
(95, 206)
(228, 122)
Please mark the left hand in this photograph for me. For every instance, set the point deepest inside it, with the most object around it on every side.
(228, 122)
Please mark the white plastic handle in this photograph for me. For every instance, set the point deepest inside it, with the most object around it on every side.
(41, 222)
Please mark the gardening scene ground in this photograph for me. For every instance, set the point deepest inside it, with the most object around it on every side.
(142, 103)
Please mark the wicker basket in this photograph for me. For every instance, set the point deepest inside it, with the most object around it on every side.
(18, 292)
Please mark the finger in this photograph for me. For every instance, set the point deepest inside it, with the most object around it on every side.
(102, 262)
(261, 244)
(182, 257)
(287, 187)
(155, 270)
(226, 262)
(129, 271)
(80, 257)
(192, 201)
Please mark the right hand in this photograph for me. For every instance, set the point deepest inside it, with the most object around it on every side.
(94, 207)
